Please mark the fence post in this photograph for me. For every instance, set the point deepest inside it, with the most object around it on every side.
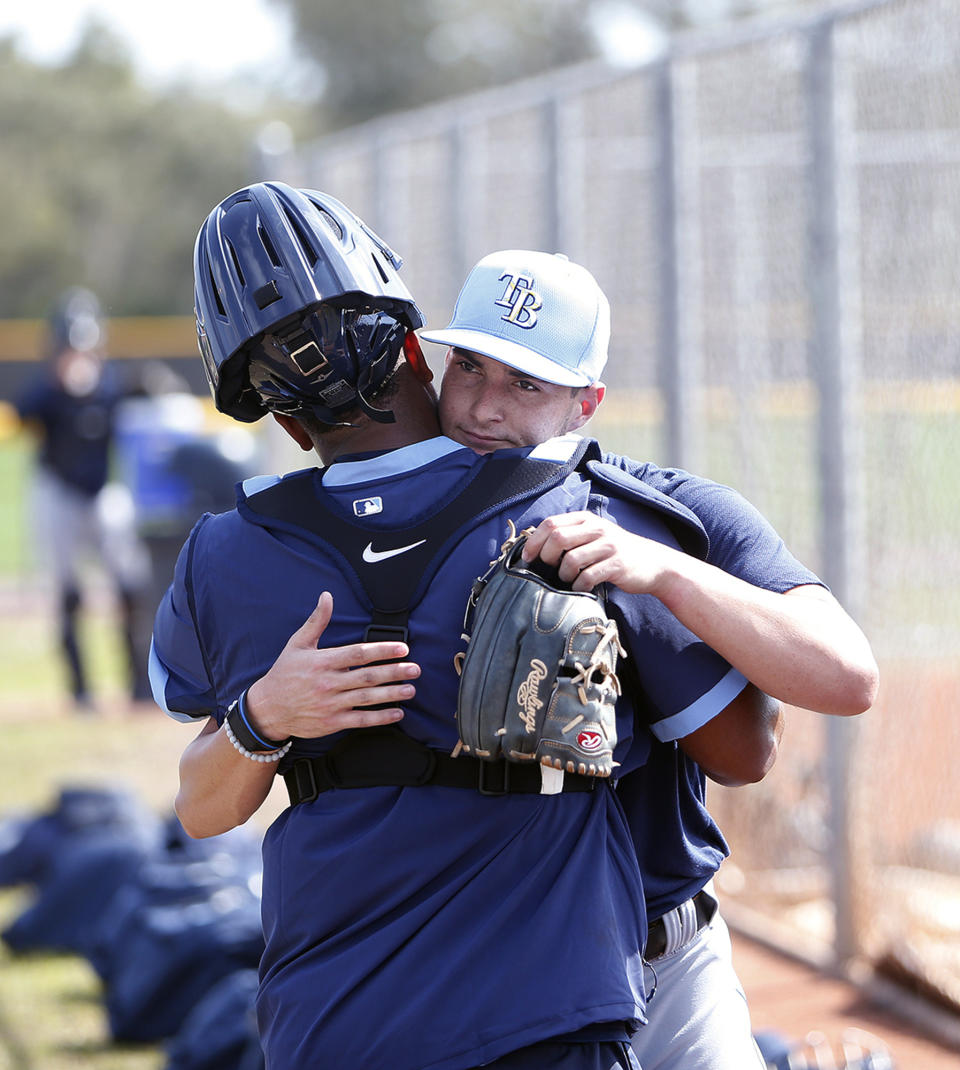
(564, 228)
(459, 208)
(552, 178)
(834, 287)
(382, 189)
(678, 223)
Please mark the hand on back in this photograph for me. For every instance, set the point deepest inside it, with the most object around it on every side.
(313, 691)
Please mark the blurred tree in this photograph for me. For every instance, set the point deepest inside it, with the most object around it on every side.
(381, 56)
(104, 182)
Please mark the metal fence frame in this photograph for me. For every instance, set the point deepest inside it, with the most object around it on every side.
(829, 151)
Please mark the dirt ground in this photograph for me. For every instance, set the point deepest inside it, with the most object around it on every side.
(794, 998)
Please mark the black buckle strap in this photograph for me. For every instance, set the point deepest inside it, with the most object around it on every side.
(386, 628)
(493, 778)
(387, 757)
(380, 632)
(365, 758)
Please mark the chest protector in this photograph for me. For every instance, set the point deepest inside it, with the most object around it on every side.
(299, 504)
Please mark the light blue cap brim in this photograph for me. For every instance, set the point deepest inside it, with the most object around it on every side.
(536, 312)
(510, 353)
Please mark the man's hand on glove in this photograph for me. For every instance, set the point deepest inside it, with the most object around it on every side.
(538, 679)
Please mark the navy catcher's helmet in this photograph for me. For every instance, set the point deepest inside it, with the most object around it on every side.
(76, 322)
(299, 305)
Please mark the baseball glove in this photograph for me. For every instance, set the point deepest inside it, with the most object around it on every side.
(538, 679)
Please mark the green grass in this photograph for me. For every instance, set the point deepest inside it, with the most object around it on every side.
(33, 673)
(52, 1015)
(15, 454)
(139, 749)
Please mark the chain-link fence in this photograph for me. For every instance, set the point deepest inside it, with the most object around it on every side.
(774, 218)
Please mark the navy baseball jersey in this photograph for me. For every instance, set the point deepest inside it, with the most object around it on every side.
(426, 926)
(679, 845)
(77, 430)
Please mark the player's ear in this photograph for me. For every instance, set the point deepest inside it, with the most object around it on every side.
(295, 430)
(587, 404)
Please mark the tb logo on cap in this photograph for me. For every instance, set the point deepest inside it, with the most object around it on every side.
(521, 299)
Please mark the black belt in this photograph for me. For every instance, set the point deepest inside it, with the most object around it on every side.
(388, 757)
(705, 906)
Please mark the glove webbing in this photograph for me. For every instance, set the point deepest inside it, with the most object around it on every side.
(584, 675)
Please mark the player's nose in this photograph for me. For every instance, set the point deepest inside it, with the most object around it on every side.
(488, 404)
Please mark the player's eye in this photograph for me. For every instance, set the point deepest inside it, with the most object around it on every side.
(526, 386)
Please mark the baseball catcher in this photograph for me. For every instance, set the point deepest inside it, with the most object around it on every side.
(538, 679)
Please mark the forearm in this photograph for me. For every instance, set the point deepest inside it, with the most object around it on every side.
(740, 744)
(800, 647)
(219, 787)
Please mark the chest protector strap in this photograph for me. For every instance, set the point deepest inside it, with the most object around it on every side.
(300, 503)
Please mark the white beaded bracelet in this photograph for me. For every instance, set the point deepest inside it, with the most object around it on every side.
(270, 756)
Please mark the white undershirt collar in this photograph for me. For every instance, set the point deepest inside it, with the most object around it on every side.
(384, 465)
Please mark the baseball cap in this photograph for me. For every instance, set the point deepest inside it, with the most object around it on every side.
(537, 312)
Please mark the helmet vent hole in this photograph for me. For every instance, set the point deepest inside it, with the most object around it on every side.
(268, 247)
(236, 262)
(379, 267)
(331, 223)
(216, 295)
(302, 237)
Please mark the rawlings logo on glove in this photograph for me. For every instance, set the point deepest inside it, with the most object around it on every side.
(538, 680)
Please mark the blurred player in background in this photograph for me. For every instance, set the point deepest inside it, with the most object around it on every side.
(77, 514)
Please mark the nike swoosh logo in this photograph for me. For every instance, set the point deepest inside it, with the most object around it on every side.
(372, 556)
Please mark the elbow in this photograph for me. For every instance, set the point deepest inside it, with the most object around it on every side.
(195, 824)
(860, 689)
(763, 747)
(765, 763)
(737, 777)
(191, 826)
(869, 686)
(750, 765)
(755, 764)
(762, 762)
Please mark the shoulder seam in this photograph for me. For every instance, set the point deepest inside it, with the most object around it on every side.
(192, 606)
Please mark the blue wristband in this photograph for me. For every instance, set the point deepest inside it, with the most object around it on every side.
(245, 733)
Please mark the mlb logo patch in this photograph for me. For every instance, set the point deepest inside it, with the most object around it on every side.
(367, 506)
